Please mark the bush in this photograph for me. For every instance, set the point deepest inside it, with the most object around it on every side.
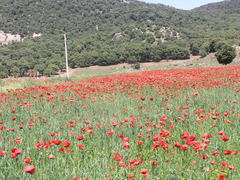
(137, 65)
(226, 54)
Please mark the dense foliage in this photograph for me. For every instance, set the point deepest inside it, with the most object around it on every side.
(104, 32)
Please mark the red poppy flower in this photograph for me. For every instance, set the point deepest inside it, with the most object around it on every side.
(224, 163)
(51, 156)
(131, 161)
(80, 138)
(27, 160)
(231, 167)
(81, 146)
(177, 144)
(204, 156)
(215, 153)
(57, 142)
(221, 177)
(213, 162)
(186, 114)
(3, 153)
(235, 152)
(66, 144)
(184, 147)
(111, 132)
(131, 176)
(90, 132)
(143, 171)
(221, 133)
(139, 143)
(227, 152)
(29, 169)
(126, 145)
(53, 134)
(71, 134)
(224, 138)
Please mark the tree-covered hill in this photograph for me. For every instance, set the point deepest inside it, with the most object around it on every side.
(104, 32)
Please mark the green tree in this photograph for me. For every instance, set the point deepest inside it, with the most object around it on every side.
(180, 52)
(104, 59)
(143, 52)
(213, 43)
(159, 35)
(150, 38)
(3, 71)
(202, 53)
(73, 60)
(85, 59)
(14, 71)
(40, 68)
(3, 74)
(132, 59)
(52, 69)
(205, 46)
(195, 49)
(62, 66)
(226, 54)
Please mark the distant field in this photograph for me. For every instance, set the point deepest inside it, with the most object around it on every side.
(194, 62)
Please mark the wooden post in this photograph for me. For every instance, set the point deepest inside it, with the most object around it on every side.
(65, 39)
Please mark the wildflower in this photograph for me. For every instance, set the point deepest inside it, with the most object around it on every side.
(27, 160)
(224, 138)
(143, 171)
(29, 169)
(227, 152)
(81, 146)
(221, 177)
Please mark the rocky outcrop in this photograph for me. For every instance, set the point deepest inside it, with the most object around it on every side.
(117, 36)
(6, 38)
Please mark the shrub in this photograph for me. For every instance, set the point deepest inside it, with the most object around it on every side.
(226, 54)
(137, 65)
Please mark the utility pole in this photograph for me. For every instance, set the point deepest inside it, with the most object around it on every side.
(65, 39)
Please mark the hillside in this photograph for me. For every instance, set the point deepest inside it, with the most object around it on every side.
(105, 32)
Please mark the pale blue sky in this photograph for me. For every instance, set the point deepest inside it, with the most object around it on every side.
(182, 4)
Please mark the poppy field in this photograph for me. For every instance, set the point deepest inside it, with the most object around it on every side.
(163, 124)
